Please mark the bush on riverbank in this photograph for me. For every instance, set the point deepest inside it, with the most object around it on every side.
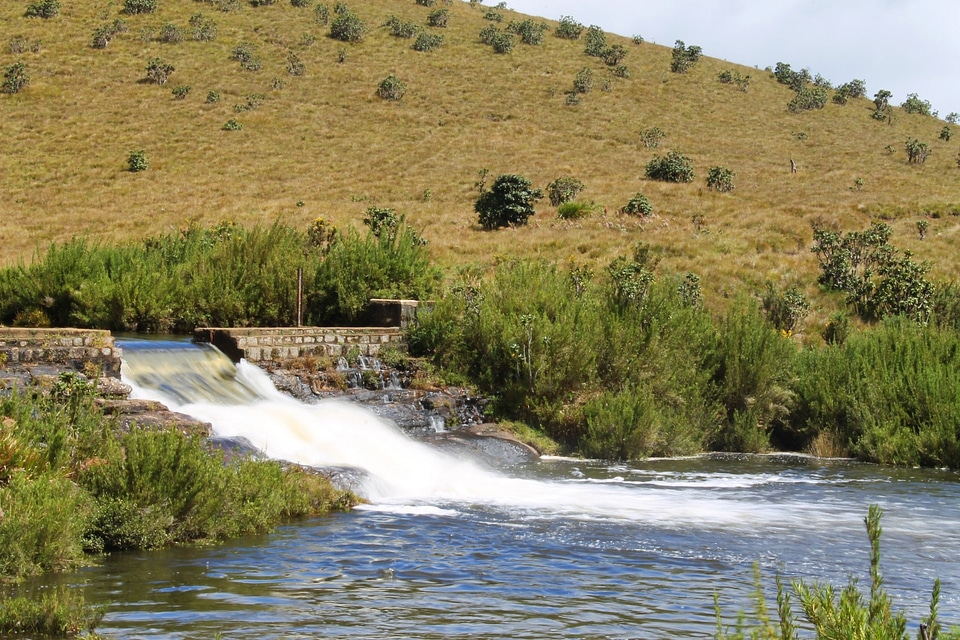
(226, 276)
(624, 366)
(71, 483)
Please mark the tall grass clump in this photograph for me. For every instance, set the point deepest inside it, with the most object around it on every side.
(57, 612)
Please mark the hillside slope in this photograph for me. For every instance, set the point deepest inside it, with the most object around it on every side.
(323, 144)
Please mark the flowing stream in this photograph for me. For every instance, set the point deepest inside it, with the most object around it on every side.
(557, 548)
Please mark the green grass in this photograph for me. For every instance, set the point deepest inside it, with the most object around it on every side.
(327, 141)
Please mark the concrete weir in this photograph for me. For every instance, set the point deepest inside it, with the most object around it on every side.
(386, 321)
(66, 349)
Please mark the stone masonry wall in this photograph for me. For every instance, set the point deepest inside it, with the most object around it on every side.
(285, 343)
(76, 349)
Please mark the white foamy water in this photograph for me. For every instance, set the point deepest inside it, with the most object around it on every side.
(407, 475)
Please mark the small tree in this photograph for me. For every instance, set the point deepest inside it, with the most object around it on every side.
(439, 18)
(596, 42)
(583, 82)
(139, 6)
(391, 88)
(564, 189)
(652, 137)
(684, 57)
(428, 42)
(159, 71)
(614, 55)
(43, 9)
(639, 205)
(137, 161)
(568, 29)
(808, 99)
(945, 133)
(530, 32)
(15, 78)
(674, 167)
(917, 151)
(913, 104)
(348, 28)
(720, 179)
(510, 201)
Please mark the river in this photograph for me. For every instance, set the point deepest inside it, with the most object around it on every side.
(557, 548)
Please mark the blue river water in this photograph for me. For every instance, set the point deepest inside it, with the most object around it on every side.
(557, 548)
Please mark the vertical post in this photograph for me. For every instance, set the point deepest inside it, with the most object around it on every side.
(300, 296)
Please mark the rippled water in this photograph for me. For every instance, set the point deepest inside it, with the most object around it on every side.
(553, 549)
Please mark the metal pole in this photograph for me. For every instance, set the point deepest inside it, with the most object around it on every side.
(300, 296)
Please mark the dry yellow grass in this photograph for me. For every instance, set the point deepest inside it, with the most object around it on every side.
(326, 140)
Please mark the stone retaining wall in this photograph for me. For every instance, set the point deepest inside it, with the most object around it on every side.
(286, 343)
(76, 349)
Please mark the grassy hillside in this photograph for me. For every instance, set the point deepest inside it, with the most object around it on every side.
(323, 144)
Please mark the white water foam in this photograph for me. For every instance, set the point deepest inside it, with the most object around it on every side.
(408, 475)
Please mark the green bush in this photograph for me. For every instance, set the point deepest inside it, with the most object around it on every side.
(15, 78)
(946, 133)
(180, 92)
(391, 88)
(568, 29)
(493, 16)
(103, 35)
(913, 104)
(808, 98)
(509, 202)
(137, 161)
(638, 205)
(917, 152)
(321, 14)
(139, 6)
(796, 80)
(428, 42)
(674, 167)
(20, 44)
(56, 612)
(785, 310)
(232, 125)
(43, 9)
(246, 54)
(347, 27)
(400, 29)
(295, 66)
(720, 179)
(596, 42)
(204, 29)
(530, 32)
(652, 137)
(159, 71)
(501, 41)
(684, 57)
(170, 34)
(564, 189)
(439, 18)
(614, 55)
(621, 71)
(583, 81)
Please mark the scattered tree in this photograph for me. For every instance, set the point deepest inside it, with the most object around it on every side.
(639, 205)
(530, 32)
(652, 137)
(43, 9)
(159, 71)
(720, 179)
(428, 42)
(674, 167)
(596, 41)
(913, 104)
(134, 7)
(568, 29)
(808, 98)
(439, 18)
(510, 201)
(564, 189)
(391, 88)
(137, 161)
(15, 78)
(684, 57)
(917, 151)
(347, 27)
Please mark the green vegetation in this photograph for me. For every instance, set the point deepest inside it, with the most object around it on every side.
(674, 167)
(564, 189)
(684, 57)
(57, 612)
(15, 78)
(73, 483)
(509, 201)
(223, 276)
(837, 613)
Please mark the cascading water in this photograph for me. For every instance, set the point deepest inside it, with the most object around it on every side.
(558, 548)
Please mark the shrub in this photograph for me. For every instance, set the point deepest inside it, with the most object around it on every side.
(638, 205)
(575, 210)
(246, 54)
(159, 71)
(563, 189)
(321, 14)
(134, 7)
(652, 137)
(807, 99)
(137, 161)
(428, 42)
(530, 32)
(400, 29)
(204, 29)
(621, 71)
(583, 82)
(391, 88)
(439, 18)
(213, 97)
(180, 92)
(720, 179)
(734, 77)
(15, 78)
(382, 220)
(502, 42)
(295, 66)
(917, 151)
(171, 34)
(348, 28)
(913, 104)
(945, 133)
(43, 9)
(614, 55)
(674, 167)
(104, 34)
(232, 125)
(855, 88)
(785, 310)
(568, 29)
(684, 57)
(796, 80)
(493, 16)
(19, 44)
(510, 201)
(596, 42)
